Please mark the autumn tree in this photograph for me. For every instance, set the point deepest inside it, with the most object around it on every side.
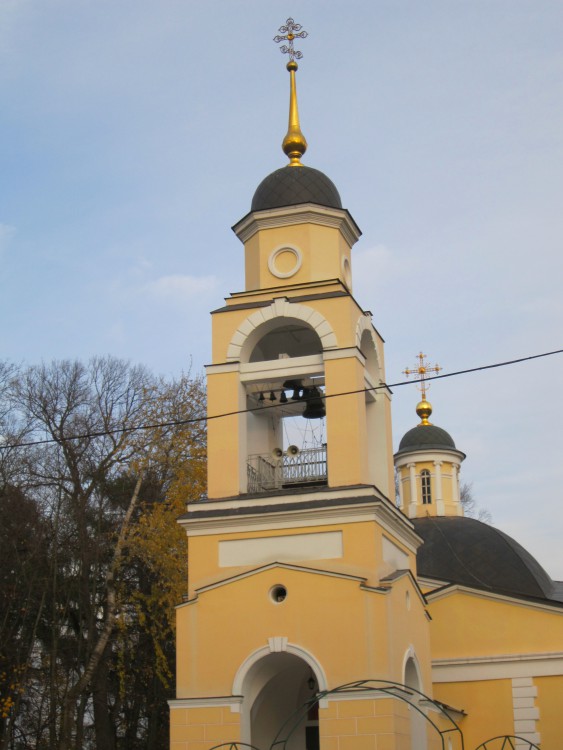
(110, 456)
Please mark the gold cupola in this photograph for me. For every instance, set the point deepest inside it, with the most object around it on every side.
(427, 461)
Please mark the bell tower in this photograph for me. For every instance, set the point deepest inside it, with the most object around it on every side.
(296, 342)
(302, 571)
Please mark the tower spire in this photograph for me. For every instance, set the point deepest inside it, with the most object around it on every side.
(424, 407)
(294, 144)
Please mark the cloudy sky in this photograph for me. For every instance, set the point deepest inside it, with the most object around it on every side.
(134, 133)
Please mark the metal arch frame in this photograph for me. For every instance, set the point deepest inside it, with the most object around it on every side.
(508, 738)
(234, 746)
(386, 687)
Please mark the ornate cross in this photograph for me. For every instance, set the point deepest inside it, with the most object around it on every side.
(421, 371)
(292, 31)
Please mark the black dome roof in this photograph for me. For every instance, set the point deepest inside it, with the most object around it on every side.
(466, 551)
(426, 436)
(289, 186)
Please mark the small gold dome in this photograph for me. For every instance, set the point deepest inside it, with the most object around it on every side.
(424, 410)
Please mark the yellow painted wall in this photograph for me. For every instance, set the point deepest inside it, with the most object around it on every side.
(341, 313)
(550, 703)
(346, 423)
(217, 632)
(471, 625)
(488, 705)
(362, 544)
(322, 249)
(226, 437)
(203, 727)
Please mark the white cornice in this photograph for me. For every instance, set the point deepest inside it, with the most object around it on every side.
(278, 566)
(305, 213)
(497, 666)
(379, 511)
(454, 589)
(222, 368)
(229, 701)
(421, 455)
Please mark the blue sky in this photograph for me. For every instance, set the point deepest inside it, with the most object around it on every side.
(133, 135)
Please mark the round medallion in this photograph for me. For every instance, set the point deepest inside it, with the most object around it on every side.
(285, 261)
(347, 272)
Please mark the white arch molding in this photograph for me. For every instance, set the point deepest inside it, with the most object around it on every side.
(364, 324)
(410, 654)
(243, 341)
(278, 644)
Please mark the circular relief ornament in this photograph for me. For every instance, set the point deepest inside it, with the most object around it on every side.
(285, 261)
(347, 271)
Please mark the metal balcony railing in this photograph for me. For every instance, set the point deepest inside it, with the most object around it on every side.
(265, 472)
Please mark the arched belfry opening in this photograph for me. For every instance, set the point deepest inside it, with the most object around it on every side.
(284, 380)
(287, 340)
(274, 689)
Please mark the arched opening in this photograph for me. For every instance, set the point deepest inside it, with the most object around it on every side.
(376, 447)
(274, 688)
(290, 340)
(417, 720)
(284, 381)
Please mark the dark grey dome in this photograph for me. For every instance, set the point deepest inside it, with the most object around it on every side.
(426, 437)
(289, 186)
(468, 552)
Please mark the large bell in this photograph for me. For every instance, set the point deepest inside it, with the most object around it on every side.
(315, 408)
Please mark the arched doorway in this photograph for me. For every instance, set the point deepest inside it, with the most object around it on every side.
(274, 688)
(417, 720)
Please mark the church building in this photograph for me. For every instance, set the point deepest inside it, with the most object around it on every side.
(321, 612)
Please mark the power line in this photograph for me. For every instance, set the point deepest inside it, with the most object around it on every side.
(195, 420)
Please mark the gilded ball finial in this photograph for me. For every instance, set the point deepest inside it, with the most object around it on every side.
(424, 410)
(424, 407)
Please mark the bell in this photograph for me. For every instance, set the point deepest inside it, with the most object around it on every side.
(283, 398)
(296, 386)
(315, 408)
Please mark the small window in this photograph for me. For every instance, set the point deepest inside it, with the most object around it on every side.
(426, 490)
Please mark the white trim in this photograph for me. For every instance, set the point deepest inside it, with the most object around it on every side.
(289, 648)
(526, 713)
(452, 589)
(446, 455)
(410, 653)
(347, 271)
(278, 251)
(229, 701)
(304, 213)
(259, 550)
(277, 566)
(224, 367)
(281, 307)
(497, 667)
(258, 372)
(380, 511)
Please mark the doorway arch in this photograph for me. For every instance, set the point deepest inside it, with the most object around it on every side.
(274, 686)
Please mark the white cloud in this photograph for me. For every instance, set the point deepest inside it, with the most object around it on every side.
(180, 288)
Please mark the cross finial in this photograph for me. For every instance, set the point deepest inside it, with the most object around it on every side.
(291, 31)
(421, 371)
